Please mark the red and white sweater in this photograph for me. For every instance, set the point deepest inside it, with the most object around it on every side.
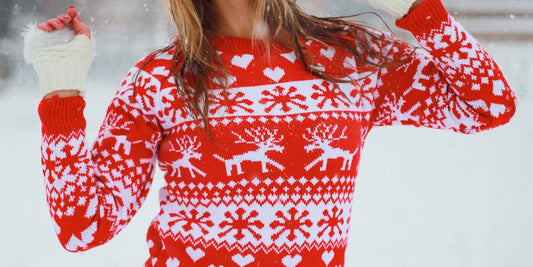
(274, 186)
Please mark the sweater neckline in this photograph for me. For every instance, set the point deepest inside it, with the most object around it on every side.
(242, 45)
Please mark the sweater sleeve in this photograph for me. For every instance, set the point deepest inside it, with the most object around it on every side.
(93, 193)
(456, 85)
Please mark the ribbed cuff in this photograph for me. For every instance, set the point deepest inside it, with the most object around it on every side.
(425, 17)
(62, 115)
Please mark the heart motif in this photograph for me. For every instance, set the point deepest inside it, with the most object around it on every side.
(243, 260)
(328, 256)
(226, 199)
(242, 61)
(172, 262)
(249, 198)
(289, 56)
(329, 53)
(291, 261)
(231, 79)
(274, 74)
(195, 254)
(260, 198)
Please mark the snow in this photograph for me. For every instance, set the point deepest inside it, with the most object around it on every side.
(423, 197)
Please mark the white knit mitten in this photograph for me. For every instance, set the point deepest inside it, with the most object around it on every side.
(61, 58)
(397, 8)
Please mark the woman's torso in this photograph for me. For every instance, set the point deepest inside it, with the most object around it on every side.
(273, 186)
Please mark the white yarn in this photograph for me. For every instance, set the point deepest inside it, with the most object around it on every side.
(397, 8)
(61, 58)
(35, 37)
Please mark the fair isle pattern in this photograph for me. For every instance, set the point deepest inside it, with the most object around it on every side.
(274, 186)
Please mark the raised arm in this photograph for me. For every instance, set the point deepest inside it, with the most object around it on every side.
(456, 86)
(92, 192)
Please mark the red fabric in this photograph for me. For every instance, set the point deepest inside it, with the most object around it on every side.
(274, 185)
(63, 115)
(427, 15)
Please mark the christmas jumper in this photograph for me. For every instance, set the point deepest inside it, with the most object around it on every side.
(274, 185)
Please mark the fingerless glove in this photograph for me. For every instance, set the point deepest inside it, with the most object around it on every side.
(61, 59)
(397, 8)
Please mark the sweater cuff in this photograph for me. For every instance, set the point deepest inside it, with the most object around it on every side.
(425, 17)
(62, 115)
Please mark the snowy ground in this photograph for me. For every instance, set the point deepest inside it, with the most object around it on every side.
(424, 197)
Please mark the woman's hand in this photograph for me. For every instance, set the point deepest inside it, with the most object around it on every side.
(70, 18)
(61, 52)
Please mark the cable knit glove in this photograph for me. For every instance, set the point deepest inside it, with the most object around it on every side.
(61, 58)
(397, 8)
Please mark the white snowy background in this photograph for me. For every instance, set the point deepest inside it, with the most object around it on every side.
(423, 198)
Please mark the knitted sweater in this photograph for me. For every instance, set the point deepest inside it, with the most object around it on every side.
(274, 185)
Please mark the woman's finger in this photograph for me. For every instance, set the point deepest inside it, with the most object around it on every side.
(80, 27)
(66, 19)
(71, 18)
(56, 24)
(72, 12)
(45, 27)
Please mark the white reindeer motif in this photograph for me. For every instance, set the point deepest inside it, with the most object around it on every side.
(265, 141)
(114, 121)
(321, 138)
(189, 149)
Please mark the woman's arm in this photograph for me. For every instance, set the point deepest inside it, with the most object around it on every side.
(458, 86)
(92, 193)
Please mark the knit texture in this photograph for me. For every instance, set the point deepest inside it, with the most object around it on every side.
(61, 60)
(274, 185)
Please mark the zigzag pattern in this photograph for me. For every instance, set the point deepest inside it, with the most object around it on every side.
(261, 248)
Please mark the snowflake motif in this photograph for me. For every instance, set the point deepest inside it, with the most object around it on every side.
(169, 109)
(148, 86)
(330, 222)
(191, 219)
(230, 101)
(70, 165)
(49, 157)
(330, 92)
(364, 94)
(282, 97)
(240, 224)
(393, 111)
(53, 155)
(291, 224)
(456, 40)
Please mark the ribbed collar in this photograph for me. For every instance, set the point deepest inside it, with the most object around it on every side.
(240, 45)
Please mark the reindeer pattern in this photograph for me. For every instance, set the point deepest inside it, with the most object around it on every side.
(267, 149)
(265, 140)
(188, 147)
(322, 139)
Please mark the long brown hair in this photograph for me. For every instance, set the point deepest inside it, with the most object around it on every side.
(196, 61)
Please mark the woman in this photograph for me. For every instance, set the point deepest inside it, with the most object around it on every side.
(257, 113)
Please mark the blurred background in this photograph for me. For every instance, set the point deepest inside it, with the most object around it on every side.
(423, 198)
